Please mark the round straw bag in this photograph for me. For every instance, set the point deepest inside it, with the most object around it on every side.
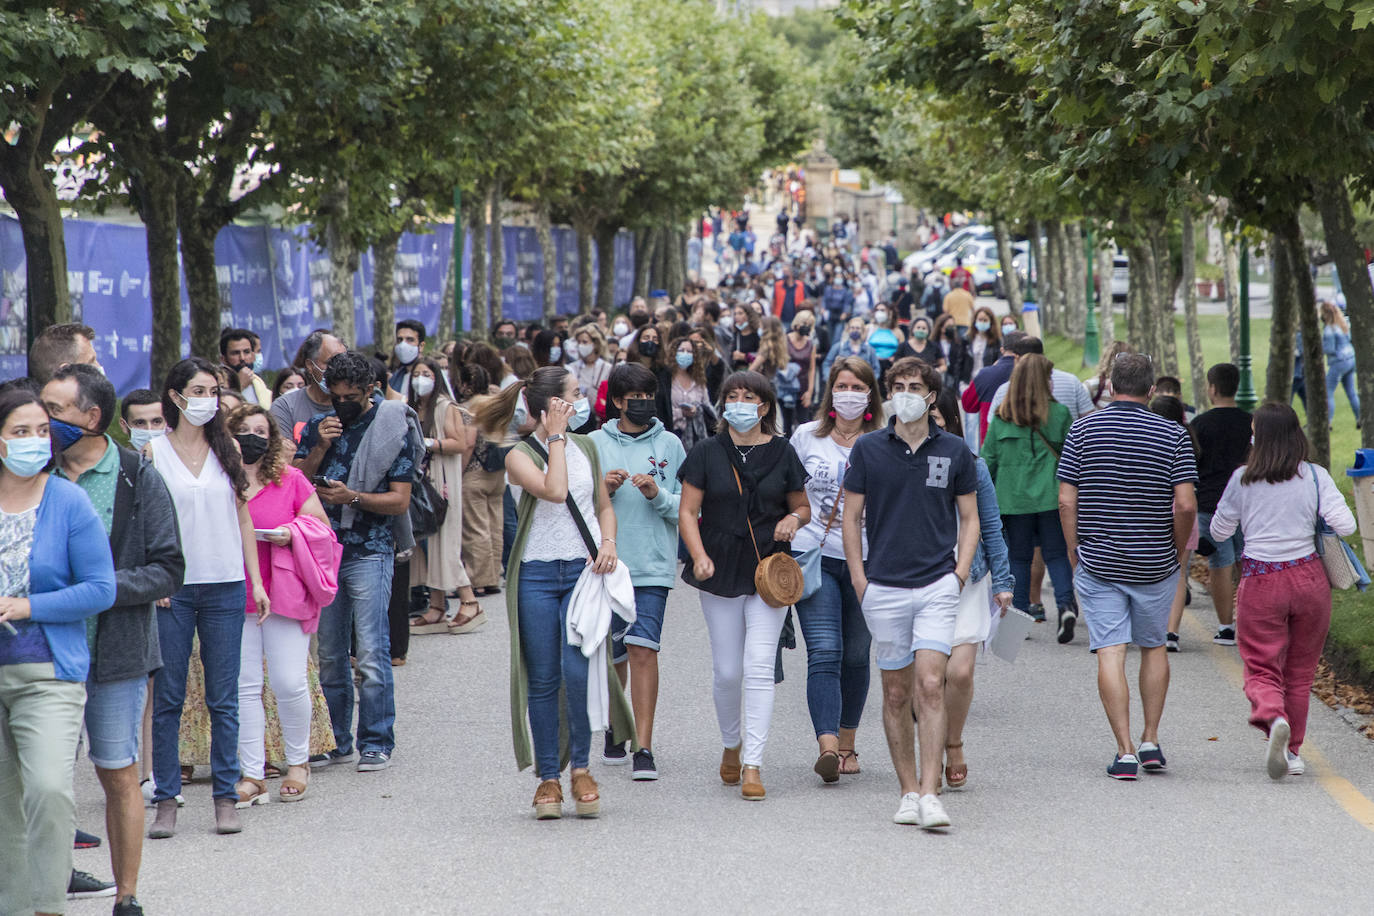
(778, 578)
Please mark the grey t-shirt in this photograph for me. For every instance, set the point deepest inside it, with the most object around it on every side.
(292, 411)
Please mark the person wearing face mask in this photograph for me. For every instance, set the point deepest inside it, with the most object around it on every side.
(284, 507)
(923, 528)
(505, 334)
(922, 345)
(838, 302)
(1010, 323)
(410, 343)
(140, 417)
(684, 395)
(742, 489)
(643, 458)
(294, 409)
(236, 353)
(547, 348)
(837, 640)
(438, 561)
(56, 573)
(591, 366)
(204, 473)
(802, 349)
(744, 344)
(984, 340)
(851, 343)
(362, 459)
(885, 337)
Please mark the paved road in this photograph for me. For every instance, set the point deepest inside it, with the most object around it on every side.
(1038, 829)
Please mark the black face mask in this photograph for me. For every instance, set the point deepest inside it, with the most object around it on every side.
(347, 411)
(504, 343)
(253, 447)
(640, 411)
(648, 347)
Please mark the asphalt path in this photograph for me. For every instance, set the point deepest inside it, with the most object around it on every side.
(1038, 829)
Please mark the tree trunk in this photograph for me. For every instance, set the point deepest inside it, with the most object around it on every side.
(1049, 293)
(1106, 313)
(208, 316)
(658, 269)
(676, 268)
(543, 230)
(1142, 272)
(498, 255)
(1036, 276)
(1011, 283)
(1283, 329)
(343, 262)
(646, 246)
(384, 289)
(449, 325)
(1338, 219)
(605, 267)
(586, 280)
(1196, 361)
(1231, 273)
(29, 190)
(158, 209)
(1166, 332)
(1149, 303)
(477, 282)
(1076, 287)
(1313, 359)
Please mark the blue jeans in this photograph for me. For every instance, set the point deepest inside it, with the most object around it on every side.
(546, 588)
(837, 644)
(1023, 532)
(1340, 373)
(214, 611)
(360, 609)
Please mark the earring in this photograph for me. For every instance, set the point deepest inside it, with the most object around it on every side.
(832, 414)
(868, 415)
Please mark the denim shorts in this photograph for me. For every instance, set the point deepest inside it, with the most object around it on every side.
(114, 721)
(647, 630)
(1121, 613)
(1228, 551)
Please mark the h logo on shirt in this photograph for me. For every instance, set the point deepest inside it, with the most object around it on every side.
(939, 472)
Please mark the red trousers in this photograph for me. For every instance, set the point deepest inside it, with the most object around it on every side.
(1281, 623)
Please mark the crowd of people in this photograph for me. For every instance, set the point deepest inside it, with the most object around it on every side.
(887, 463)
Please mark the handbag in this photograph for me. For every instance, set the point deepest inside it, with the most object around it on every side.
(428, 507)
(1343, 567)
(778, 578)
(810, 560)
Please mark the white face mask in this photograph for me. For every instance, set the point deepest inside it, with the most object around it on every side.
(585, 349)
(555, 354)
(620, 329)
(727, 321)
(880, 316)
(423, 385)
(850, 405)
(199, 411)
(909, 407)
(406, 352)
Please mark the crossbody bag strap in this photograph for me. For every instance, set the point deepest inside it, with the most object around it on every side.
(748, 523)
(833, 511)
(571, 503)
(1045, 439)
(1317, 521)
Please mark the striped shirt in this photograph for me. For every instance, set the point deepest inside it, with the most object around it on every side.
(1064, 388)
(1125, 462)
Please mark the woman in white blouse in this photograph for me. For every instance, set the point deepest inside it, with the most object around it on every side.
(1283, 605)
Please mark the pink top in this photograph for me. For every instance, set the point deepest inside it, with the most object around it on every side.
(276, 505)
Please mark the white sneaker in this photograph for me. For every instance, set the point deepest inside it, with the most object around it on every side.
(908, 812)
(1296, 767)
(1276, 756)
(932, 813)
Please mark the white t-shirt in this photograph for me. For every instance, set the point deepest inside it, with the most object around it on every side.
(825, 462)
(207, 513)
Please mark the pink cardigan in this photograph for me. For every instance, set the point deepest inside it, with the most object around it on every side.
(305, 575)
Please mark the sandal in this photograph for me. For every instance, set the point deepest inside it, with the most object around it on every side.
(424, 624)
(251, 792)
(297, 786)
(828, 766)
(548, 800)
(583, 784)
(462, 624)
(955, 777)
(271, 771)
(845, 758)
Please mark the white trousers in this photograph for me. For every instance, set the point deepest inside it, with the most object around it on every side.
(744, 646)
(286, 648)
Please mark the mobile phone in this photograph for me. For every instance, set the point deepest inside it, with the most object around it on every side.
(320, 480)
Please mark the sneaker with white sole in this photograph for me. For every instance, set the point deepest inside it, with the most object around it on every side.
(1124, 766)
(1068, 616)
(909, 811)
(1276, 753)
(645, 770)
(614, 754)
(931, 812)
(83, 886)
(371, 761)
(1171, 642)
(1226, 636)
(1296, 767)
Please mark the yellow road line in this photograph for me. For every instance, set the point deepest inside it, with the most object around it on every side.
(1354, 802)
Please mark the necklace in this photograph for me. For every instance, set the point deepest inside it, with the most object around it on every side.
(846, 437)
(746, 451)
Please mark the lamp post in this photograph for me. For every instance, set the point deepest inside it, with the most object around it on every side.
(1246, 398)
(1091, 341)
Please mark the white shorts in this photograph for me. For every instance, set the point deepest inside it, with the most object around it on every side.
(974, 622)
(902, 620)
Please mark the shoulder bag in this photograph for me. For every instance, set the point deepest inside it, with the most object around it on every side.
(428, 507)
(1343, 567)
(810, 560)
(778, 578)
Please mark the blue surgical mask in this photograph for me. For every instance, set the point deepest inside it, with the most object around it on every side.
(67, 434)
(259, 363)
(742, 415)
(684, 360)
(582, 412)
(139, 438)
(555, 354)
(27, 456)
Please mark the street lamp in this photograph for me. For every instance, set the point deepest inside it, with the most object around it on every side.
(1091, 342)
(1246, 398)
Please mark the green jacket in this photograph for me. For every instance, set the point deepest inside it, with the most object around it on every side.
(622, 718)
(1023, 465)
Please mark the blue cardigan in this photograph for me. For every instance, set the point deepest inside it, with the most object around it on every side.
(71, 574)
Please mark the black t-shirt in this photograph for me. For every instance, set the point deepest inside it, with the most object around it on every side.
(925, 350)
(767, 474)
(1223, 444)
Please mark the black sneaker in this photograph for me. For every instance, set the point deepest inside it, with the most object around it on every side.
(127, 907)
(614, 754)
(1124, 766)
(371, 761)
(86, 840)
(1171, 642)
(1226, 636)
(1037, 611)
(644, 765)
(1151, 757)
(1068, 616)
(82, 885)
(333, 757)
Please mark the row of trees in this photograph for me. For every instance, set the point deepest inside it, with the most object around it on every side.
(362, 118)
(1140, 118)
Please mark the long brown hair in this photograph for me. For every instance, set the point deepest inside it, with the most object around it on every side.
(1333, 315)
(1280, 446)
(273, 461)
(221, 444)
(495, 412)
(700, 356)
(1028, 393)
(1104, 366)
(772, 353)
(861, 370)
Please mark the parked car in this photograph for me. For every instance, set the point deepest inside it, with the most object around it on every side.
(981, 258)
(925, 259)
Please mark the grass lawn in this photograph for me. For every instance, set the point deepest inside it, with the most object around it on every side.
(1350, 646)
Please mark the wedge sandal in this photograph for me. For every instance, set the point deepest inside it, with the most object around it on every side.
(584, 784)
(460, 625)
(548, 800)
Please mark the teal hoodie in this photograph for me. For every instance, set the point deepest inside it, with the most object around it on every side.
(646, 529)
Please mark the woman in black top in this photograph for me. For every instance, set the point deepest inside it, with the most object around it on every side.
(746, 336)
(744, 481)
(920, 344)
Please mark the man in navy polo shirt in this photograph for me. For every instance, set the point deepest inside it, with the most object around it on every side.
(919, 487)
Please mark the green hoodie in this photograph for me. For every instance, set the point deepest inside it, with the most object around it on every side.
(646, 529)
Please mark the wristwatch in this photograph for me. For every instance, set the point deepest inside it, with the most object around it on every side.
(357, 500)
(556, 437)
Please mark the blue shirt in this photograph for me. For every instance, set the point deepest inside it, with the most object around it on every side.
(909, 503)
(370, 534)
